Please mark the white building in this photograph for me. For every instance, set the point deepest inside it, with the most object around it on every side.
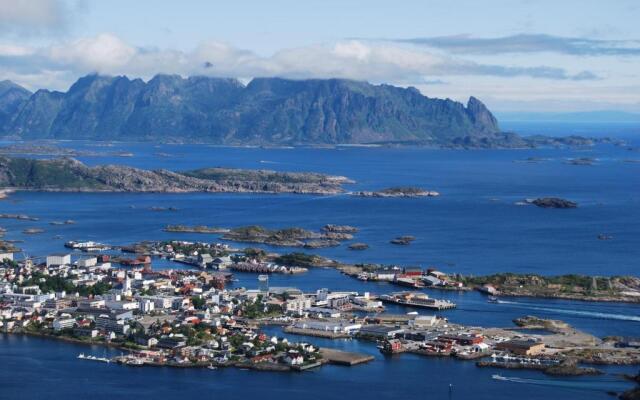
(423, 321)
(6, 256)
(160, 302)
(122, 305)
(298, 304)
(88, 262)
(293, 358)
(367, 302)
(63, 323)
(58, 259)
(146, 306)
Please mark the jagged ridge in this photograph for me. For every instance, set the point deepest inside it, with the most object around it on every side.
(266, 111)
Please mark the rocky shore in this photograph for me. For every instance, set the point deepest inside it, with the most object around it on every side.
(397, 192)
(552, 202)
(569, 287)
(633, 394)
(358, 246)
(69, 175)
(403, 240)
(194, 229)
(565, 368)
(551, 325)
(288, 237)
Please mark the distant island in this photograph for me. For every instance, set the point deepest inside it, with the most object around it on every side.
(289, 237)
(553, 202)
(398, 192)
(194, 229)
(66, 174)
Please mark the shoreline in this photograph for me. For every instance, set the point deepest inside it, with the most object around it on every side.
(329, 356)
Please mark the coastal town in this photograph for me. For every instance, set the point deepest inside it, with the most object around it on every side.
(197, 317)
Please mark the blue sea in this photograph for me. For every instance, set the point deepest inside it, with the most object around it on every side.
(474, 227)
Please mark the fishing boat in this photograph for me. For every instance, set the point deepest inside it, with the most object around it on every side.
(134, 362)
(363, 276)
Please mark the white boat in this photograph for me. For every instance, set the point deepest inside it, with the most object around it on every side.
(212, 367)
(499, 377)
(82, 356)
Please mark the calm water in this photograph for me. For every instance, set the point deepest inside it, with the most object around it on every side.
(474, 227)
(59, 374)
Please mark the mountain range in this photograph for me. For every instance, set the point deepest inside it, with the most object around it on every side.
(266, 111)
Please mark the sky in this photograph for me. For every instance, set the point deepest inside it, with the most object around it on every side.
(517, 55)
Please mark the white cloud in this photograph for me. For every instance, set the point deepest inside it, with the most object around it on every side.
(34, 16)
(60, 65)
(10, 50)
(378, 62)
(103, 53)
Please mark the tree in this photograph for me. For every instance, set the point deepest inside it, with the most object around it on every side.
(198, 302)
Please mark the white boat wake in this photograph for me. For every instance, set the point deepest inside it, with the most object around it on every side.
(598, 315)
(599, 385)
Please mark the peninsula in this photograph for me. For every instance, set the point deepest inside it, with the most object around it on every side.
(70, 175)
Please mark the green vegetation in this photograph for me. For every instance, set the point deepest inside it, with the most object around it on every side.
(404, 190)
(259, 309)
(42, 174)
(533, 284)
(50, 284)
(298, 259)
(194, 229)
(71, 175)
(198, 302)
(512, 279)
(227, 174)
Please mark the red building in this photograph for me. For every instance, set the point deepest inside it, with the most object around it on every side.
(463, 340)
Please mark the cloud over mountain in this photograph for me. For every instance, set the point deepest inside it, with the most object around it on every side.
(530, 43)
(352, 59)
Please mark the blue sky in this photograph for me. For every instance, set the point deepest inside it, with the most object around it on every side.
(519, 55)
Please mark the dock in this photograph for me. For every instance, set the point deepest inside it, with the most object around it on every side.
(316, 332)
(339, 357)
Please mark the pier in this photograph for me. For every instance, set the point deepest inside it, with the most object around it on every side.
(339, 357)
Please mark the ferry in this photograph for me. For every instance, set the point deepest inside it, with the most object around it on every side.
(417, 299)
